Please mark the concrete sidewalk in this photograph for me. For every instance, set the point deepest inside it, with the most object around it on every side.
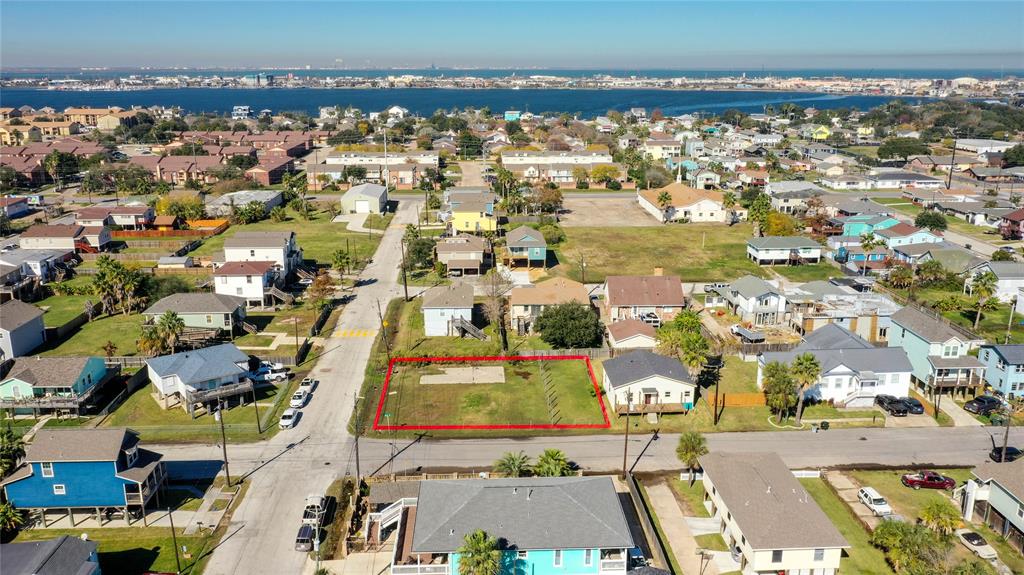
(673, 524)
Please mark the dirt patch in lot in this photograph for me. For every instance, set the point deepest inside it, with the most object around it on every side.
(605, 212)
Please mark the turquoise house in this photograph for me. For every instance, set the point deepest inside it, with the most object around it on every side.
(542, 525)
(938, 351)
(861, 224)
(688, 165)
(1004, 368)
(524, 243)
(42, 384)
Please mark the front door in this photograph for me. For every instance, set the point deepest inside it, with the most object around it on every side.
(649, 398)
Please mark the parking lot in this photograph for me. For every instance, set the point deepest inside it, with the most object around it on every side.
(605, 212)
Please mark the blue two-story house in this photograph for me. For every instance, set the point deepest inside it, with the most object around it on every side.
(36, 385)
(85, 470)
(543, 526)
(526, 244)
(1004, 368)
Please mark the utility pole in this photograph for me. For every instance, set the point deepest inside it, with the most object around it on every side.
(1009, 323)
(223, 440)
(625, 444)
(952, 161)
(405, 279)
(256, 408)
(174, 541)
(358, 428)
(384, 331)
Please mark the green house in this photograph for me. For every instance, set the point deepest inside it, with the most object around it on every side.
(201, 310)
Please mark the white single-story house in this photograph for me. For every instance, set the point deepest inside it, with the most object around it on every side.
(189, 375)
(646, 381)
(632, 334)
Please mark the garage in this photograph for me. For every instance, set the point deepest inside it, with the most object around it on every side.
(362, 206)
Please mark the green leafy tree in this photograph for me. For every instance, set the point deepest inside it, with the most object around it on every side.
(171, 327)
(760, 208)
(931, 220)
(1014, 156)
(902, 148)
(779, 389)
(983, 288)
(278, 214)
(1002, 256)
(901, 277)
(552, 463)
(341, 260)
(419, 254)
(10, 517)
(940, 516)
(513, 464)
(12, 449)
(250, 213)
(691, 447)
(59, 165)
(479, 554)
(569, 326)
(805, 371)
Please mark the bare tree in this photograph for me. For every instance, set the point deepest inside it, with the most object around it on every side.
(496, 286)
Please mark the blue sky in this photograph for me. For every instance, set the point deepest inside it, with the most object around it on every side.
(632, 35)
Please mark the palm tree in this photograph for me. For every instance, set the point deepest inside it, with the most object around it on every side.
(728, 203)
(901, 277)
(552, 463)
(110, 348)
(930, 271)
(12, 449)
(10, 517)
(670, 341)
(171, 326)
(479, 554)
(694, 353)
(513, 464)
(779, 389)
(868, 243)
(151, 342)
(983, 287)
(940, 516)
(805, 370)
(664, 201)
(692, 446)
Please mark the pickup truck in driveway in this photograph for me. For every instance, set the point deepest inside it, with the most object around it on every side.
(928, 480)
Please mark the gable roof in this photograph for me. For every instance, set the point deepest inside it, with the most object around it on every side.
(41, 371)
(1011, 354)
(525, 237)
(526, 513)
(641, 364)
(1005, 270)
(750, 286)
(99, 444)
(627, 328)
(900, 230)
(462, 243)
(201, 364)
(1009, 475)
(16, 313)
(644, 290)
(201, 302)
(926, 327)
(782, 243)
(243, 268)
(682, 195)
(552, 292)
(833, 336)
(769, 505)
(458, 295)
(64, 555)
(246, 239)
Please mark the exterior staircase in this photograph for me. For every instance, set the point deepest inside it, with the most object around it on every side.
(305, 273)
(467, 328)
(280, 294)
(249, 328)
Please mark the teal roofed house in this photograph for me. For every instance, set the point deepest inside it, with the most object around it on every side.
(861, 224)
(543, 526)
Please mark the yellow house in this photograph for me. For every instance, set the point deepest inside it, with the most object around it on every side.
(821, 133)
(865, 131)
(473, 218)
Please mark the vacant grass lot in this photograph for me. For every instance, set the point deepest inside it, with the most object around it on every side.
(122, 330)
(520, 400)
(58, 310)
(318, 237)
(693, 497)
(992, 326)
(694, 252)
(862, 557)
(809, 272)
(955, 224)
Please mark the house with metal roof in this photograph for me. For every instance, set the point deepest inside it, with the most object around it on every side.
(853, 371)
(21, 329)
(62, 555)
(642, 381)
(447, 309)
(365, 199)
(1004, 368)
(767, 516)
(199, 376)
(938, 351)
(43, 384)
(1009, 278)
(201, 310)
(543, 525)
(771, 250)
(91, 471)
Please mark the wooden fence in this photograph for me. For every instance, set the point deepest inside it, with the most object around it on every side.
(591, 352)
(126, 360)
(62, 331)
(659, 554)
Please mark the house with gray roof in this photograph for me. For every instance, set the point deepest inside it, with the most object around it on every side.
(938, 351)
(768, 516)
(995, 497)
(39, 384)
(853, 371)
(543, 525)
(21, 329)
(642, 381)
(753, 299)
(201, 310)
(1009, 278)
(446, 308)
(200, 375)
(365, 199)
(1004, 368)
(63, 555)
(526, 244)
(224, 204)
(771, 250)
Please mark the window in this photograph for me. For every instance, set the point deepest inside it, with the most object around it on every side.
(883, 331)
(252, 253)
(522, 555)
(248, 279)
(986, 355)
(777, 556)
(819, 554)
(131, 455)
(209, 319)
(47, 468)
(558, 558)
(58, 489)
(588, 557)
(668, 394)
(223, 279)
(1019, 368)
(1020, 510)
(238, 291)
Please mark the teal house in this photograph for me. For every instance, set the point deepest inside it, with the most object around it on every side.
(1004, 368)
(35, 385)
(542, 525)
(861, 224)
(939, 352)
(526, 244)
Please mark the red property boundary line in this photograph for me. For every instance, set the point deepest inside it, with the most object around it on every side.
(590, 371)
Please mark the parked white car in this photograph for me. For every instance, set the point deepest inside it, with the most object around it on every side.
(272, 364)
(267, 374)
(308, 383)
(288, 418)
(299, 398)
(874, 501)
(977, 544)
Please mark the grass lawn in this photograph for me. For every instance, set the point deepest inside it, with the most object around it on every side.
(677, 248)
(861, 557)
(123, 330)
(519, 400)
(711, 542)
(426, 278)
(377, 221)
(869, 151)
(809, 272)
(904, 500)
(251, 340)
(693, 497)
(318, 237)
(887, 201)
(992, 326)
(155, 424)
(954, 224)
(737, 376)
(129, 550)
(182, 499)
(61, 309)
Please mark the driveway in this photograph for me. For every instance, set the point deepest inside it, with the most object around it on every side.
(677, 532)
(960, 417)
(605, 212)
(472, 174)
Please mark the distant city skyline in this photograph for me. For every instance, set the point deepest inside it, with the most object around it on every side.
(538, 35)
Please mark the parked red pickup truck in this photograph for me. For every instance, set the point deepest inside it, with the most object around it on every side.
(929, 480)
